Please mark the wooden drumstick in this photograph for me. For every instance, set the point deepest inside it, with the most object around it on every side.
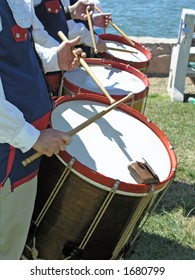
(89, 71)
(84, 125)
(122, 33)
(117, 28)
(91, 31)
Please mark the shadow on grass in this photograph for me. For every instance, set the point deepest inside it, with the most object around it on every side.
(151, 245)
(179, 195)
(158, 248)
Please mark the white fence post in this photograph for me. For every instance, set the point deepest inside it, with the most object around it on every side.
(180, 57)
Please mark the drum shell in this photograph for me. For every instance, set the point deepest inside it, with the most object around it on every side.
(141, 65)
(139, 99)
(80, 198)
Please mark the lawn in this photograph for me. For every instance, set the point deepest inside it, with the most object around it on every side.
(169, 232)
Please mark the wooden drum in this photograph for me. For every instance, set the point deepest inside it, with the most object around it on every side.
(95, 206)
(118, 79)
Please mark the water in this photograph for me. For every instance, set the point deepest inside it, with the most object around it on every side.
(149, 18)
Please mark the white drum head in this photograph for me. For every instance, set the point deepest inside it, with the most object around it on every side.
(135, 57)
(110, 144)
(114, 80)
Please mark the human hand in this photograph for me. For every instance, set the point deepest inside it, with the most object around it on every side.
(51, 142)
(102, 19)
(78, 10)
(68, 58)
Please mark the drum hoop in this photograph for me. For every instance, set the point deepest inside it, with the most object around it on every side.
(121, 39)
(119, 65)
(81, 174)
(109, 182)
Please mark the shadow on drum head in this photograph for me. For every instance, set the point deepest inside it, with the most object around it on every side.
(118, 79)
(140, 60)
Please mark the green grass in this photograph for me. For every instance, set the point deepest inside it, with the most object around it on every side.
(177, 121)
(169, 233)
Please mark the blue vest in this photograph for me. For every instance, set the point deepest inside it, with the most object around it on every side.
(25, 87)
(52, 15)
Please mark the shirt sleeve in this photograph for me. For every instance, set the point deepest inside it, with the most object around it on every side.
(14, 130)
(79, 29)
(48, 57)
(46, 46)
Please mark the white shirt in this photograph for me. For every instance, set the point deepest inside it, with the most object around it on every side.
(14, 130)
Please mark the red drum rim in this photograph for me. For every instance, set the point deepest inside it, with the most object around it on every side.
(136, 189)
(138, 46)
(119, 65)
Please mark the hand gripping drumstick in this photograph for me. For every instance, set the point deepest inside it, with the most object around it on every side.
(91, 31)
(91, 74)
(93, 38)
(83, 125)
(117, 28)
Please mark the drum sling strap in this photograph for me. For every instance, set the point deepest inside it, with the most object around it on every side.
(143, 173)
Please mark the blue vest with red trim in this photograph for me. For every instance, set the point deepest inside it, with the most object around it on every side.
(52, 15)
(25, 87)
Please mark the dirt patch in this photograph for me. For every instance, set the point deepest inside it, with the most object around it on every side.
(159, 85)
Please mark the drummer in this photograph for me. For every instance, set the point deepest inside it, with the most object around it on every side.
(55, 19)
(25, 107)
(80, 27)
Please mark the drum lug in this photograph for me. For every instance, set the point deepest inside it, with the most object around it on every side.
(171, 147)
(115, 186)
(152, 189)
(70, 164)
(149, 120)
(108, 66)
